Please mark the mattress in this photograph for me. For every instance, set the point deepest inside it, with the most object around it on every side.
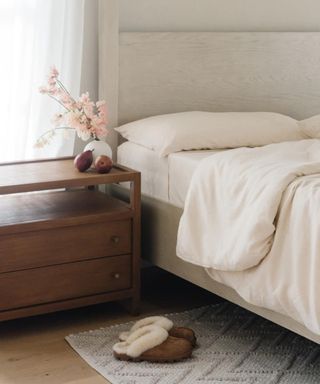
(154, 170)
(163, 178)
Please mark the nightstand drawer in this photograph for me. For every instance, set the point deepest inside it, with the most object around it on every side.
(65, 281)
(64, 244)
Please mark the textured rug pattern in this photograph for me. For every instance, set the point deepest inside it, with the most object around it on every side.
(235, 346)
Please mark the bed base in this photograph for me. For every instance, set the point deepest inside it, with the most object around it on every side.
(159, 233)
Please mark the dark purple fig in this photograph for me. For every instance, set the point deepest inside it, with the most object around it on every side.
(83, 161)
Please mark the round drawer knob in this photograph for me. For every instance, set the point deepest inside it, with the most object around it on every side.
(115, 239)
(116, 275)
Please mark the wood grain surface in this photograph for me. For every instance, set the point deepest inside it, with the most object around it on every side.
(163, 72)
(53, 174)
(64, 281)
(29, 212)
(64, 245)
(70, 248)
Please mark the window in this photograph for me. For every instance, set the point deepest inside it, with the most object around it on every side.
(34, 35)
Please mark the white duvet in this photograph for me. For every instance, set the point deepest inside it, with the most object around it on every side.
(252, 218)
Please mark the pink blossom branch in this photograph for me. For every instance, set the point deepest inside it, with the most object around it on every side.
(85, 117)
(38, 142)
(60, 102)
(65, 89)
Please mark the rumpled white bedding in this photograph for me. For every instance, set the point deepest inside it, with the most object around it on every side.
(252, 218)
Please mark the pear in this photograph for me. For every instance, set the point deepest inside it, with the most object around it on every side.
(83, 161)
(103, 164)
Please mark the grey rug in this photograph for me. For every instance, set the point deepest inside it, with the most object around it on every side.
(235, 346)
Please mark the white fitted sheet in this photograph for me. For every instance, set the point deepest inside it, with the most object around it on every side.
(181, 167)
(168, 178)
(154, 170)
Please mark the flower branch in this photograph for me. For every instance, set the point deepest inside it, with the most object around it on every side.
(87, 118)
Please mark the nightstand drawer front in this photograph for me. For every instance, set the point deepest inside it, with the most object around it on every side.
(65, 281)
(62, 245)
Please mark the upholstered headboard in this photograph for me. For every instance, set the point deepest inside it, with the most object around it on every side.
(247, 71)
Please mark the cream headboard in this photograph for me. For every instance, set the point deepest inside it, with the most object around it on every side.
(247, 71)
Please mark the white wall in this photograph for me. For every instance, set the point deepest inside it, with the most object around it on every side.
(219, 15)
(89, 80)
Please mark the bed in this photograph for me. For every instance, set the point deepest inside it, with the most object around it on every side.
(165, 179)
(212, 72)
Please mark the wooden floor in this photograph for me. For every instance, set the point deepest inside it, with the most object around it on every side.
(33, 350)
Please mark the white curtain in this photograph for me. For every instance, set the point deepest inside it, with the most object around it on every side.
(34, 35)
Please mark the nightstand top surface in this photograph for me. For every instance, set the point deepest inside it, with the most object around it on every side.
(45, 174)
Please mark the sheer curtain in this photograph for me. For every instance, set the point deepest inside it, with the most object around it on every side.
(34, 35)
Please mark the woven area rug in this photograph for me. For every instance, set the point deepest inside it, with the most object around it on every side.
(235, 346)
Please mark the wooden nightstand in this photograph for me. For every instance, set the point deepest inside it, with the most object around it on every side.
(68, 245)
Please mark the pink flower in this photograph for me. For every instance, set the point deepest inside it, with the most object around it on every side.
(84, 98)
(54, 72)
(53, 75)
(86, 105)
(88, 119)
(98, 129)
(66, 100)
(100, 103)
(51, 90)
(102, 110)
(101, 132)
(43, 89)
(74, 118)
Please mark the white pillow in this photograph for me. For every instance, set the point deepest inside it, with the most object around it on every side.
(311, 127)
(175, 132)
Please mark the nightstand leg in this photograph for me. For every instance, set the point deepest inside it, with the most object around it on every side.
(132, 305)
(135, 202)
(135, 306)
